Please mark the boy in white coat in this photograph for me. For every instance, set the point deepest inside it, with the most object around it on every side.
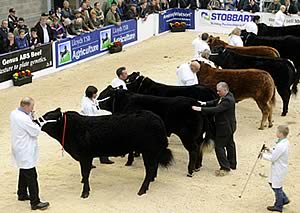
(279, 158)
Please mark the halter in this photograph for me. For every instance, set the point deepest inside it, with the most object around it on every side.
(41, 121)
(104, 99)
(140, 85)
(64, 132)
(134, 80)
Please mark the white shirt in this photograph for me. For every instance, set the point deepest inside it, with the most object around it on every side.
(279, 158)
(116, 82)
(185, 75)
(279, 19)
(90, 108)
(235, 40)
(24, 134)
(46, 35)
(251, 27)
(206, 61)
(199, 46)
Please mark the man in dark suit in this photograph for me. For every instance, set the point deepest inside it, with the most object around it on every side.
(224, 111)
(290, 7)
(44, 31)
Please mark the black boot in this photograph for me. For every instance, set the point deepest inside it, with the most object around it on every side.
(41, 206)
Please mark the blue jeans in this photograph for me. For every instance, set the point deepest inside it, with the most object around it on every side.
(280, 197)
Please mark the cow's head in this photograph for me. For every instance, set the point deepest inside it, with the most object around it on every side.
(106, 99)
(133, 81)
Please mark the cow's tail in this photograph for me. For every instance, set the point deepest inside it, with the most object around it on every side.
(165, 158)
(208, 143)
(273, 99)
(296, 78)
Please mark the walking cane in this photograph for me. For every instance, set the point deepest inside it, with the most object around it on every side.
(262, 149)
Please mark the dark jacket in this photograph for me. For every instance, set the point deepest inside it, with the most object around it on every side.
(143, 12)
(273, 7)
(292, 9)
(12, 22)
(130, 15)
(224, 114)
(253, 8)
(40, 32)
(3, 39)
(22, 43)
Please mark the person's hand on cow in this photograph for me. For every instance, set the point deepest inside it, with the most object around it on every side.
(196, 108)
(202, 103)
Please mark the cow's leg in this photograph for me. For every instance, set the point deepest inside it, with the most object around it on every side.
(199, 155)
(149, 163)
(265, 113)
(155, 172)
(130, 159)
(85, 165)
(270, 115)
(285, 95)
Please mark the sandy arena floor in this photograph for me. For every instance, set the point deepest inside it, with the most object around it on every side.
(114, 187)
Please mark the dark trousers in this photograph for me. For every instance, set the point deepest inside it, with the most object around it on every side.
(28, 179)
(225, 151)
(280, 197)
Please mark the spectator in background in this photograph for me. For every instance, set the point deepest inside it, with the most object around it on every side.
(164, 4)
(252, 7)
(143, 10)
(200, 44)
(88, 5)
(22, 41)
(44, 31)
(21, 26)
(11, 44)
(231, 5)
(242, 4)
(97, 15)
(106, 5)
(4, 30)
(57, 29)
(179, 3)
(67, 24)
(290, 8)
(34, 39)
(66, 11)
(131, 13)
(251, 27)
(86, 17)
(12, 19)
(214, 5)
(121, 9)
(235, 38)
(112, 17)
(58, 13)
(154, 6)
(195, 4)
(274, 7)
(280, 17)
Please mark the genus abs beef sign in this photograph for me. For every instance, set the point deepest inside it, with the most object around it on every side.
(225, 18)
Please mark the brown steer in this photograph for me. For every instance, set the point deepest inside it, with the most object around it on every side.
(250, 83)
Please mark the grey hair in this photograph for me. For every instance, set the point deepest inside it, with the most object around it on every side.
(26, 101)
(224, 85)
(284, 129)
(205, 53)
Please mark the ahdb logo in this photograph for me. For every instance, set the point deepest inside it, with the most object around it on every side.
(205, 16)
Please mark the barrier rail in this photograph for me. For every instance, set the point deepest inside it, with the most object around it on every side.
(68, 52)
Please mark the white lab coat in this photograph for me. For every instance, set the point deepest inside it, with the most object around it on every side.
(24, 134)
(279, 19)
(185, 75)
(89, 108)
(251, 27)
(199, 46)
(235, 40)
(116, 82)
(279, 158)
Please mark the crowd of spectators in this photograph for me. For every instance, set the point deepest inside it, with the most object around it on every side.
(63, 22)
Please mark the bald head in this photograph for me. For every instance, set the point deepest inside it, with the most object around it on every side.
(195, 66)
(27, 104)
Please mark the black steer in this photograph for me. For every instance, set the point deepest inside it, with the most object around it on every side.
(86, 137)
(177, 114)
(282, 70)
(265, 30)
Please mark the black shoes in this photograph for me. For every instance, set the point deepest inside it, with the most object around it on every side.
(40, 206)
(273, 209)
(23, 198)
(286, 202)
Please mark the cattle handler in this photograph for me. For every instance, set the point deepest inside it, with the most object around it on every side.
(25, 152)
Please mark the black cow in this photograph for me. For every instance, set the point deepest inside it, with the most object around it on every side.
(287, 46)
(282, 70)
(86, 137)
(265, 30)
(176, 112)
(144, 85)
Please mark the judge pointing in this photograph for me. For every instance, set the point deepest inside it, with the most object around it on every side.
(223, 109)
(25, 152)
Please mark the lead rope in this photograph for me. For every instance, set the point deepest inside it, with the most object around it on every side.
(63, 136)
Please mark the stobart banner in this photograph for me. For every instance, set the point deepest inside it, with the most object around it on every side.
(224, 18)
(176, 15)
(89, 44)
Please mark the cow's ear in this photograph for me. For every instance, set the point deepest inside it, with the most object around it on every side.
(218, 37)
(58, 109)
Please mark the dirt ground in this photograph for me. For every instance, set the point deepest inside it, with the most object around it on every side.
(114, 187)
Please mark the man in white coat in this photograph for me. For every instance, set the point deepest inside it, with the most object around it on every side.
(251, 26)
(200, 44)
(25, 152)
(187, 74)
(89, 107)
(280, 17)
(279, 167)
(121, 77)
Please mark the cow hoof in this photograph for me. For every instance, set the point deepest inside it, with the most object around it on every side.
(189, 175)
(197, 170)
(283, 114)
(270, 125)
(128, 164)
(261, 128)
(141, 192)
(85, 195)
